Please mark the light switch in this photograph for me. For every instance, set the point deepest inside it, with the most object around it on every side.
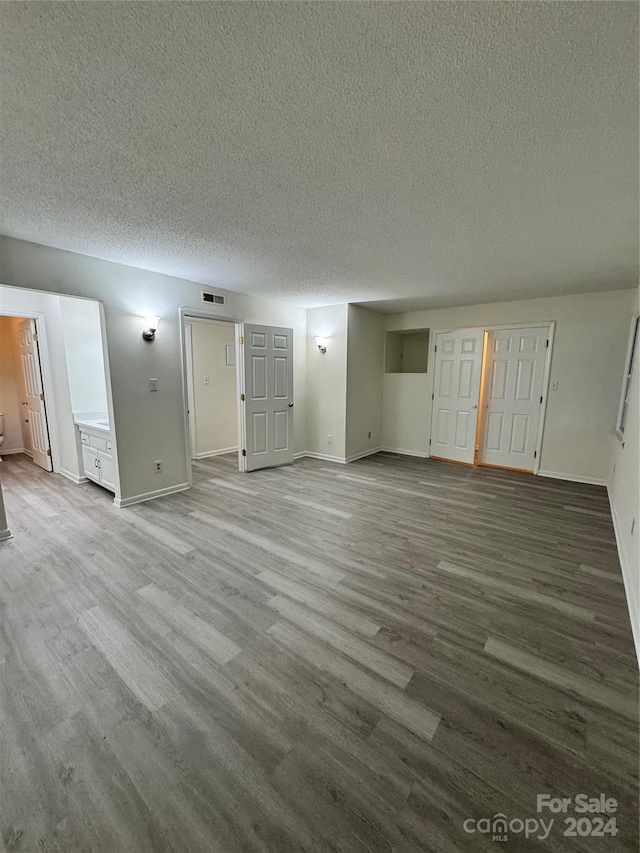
(205, 380)
(554, 385)
(153, 385)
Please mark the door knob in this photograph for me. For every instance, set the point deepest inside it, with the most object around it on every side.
(291, 405)
(475, 405)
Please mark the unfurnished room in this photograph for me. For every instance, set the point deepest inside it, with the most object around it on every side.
(319, 426)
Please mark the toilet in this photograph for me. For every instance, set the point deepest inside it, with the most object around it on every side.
(1, 433)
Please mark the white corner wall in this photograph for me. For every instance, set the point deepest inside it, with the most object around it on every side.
(85, 358)
(216, 401)
(624, 495)
(365, 365)
(148, 426)
(327, 382)
(588, 355)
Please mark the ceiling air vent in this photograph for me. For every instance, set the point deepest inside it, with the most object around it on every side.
(212, 297)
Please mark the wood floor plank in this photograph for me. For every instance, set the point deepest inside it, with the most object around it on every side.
(409, 713)
(127, 657)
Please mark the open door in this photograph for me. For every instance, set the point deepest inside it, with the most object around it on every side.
(36, 412)
(456, 390)
(514, 393)
(266, 386)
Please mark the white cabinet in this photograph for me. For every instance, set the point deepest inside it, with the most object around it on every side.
(97, 458)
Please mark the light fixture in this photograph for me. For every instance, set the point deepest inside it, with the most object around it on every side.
(150, 328)
(320, 344)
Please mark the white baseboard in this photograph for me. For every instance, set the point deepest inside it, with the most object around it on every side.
(217, 452)
(399, 450)
(5, 534)
(325, 458)
(573, 478)
(12, 451)
(73, 477)
(364, 453)
(149, 496)
(626, 577)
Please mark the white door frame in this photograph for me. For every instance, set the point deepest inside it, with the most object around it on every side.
(187, 314)
(550, 324)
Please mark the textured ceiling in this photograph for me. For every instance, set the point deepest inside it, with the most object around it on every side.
(423, 153)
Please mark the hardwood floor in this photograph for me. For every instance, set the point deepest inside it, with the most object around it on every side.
(312, 658)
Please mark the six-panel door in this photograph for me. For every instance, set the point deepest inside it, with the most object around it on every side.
(513, 396)
(268, 407)
(454, 419)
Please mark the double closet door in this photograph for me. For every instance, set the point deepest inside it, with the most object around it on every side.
(488, 396)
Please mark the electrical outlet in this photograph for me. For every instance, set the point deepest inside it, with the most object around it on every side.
(157, 466)
(153, 385)
(205, 380)
(329, 439)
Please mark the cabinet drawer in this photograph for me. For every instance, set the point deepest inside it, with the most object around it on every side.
(98, 442)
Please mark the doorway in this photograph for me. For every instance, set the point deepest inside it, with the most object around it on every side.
(212, 387)
(23, 408)
(263, 396)
(489, 395)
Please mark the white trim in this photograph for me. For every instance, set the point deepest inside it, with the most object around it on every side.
(14, 451)
(421, 454)
(626, 574)
(73, 477)
(325, 458)
(574, 478)
(364, 453)
(209, 453)
(149, 496)
(5, 534)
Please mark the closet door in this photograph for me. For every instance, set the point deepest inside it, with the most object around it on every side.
(513, 397)
(454, 413)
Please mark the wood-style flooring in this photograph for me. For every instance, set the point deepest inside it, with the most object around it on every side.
(312, 658)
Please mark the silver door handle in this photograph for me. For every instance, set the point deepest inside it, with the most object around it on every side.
(475, 405)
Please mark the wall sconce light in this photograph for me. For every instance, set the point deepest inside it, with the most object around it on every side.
(150, 328)
(320, 344)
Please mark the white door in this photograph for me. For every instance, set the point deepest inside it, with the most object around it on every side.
(454, 413)
(267, 385)
(30, 357)
(107, 470)
(90, 463)
(513, 396)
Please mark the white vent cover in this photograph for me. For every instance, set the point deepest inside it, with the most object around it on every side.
(212, 297)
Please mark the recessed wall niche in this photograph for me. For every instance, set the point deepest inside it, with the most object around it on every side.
(406, 351)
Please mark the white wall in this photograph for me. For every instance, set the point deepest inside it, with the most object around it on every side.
(588, 356)
(148, 426)
(85, 358)
(215, 401)
(327, 381)
(624, 493)
(365, 357)
(9, 394)
(61, 426)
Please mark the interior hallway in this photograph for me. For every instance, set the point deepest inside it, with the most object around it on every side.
(317, 657)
